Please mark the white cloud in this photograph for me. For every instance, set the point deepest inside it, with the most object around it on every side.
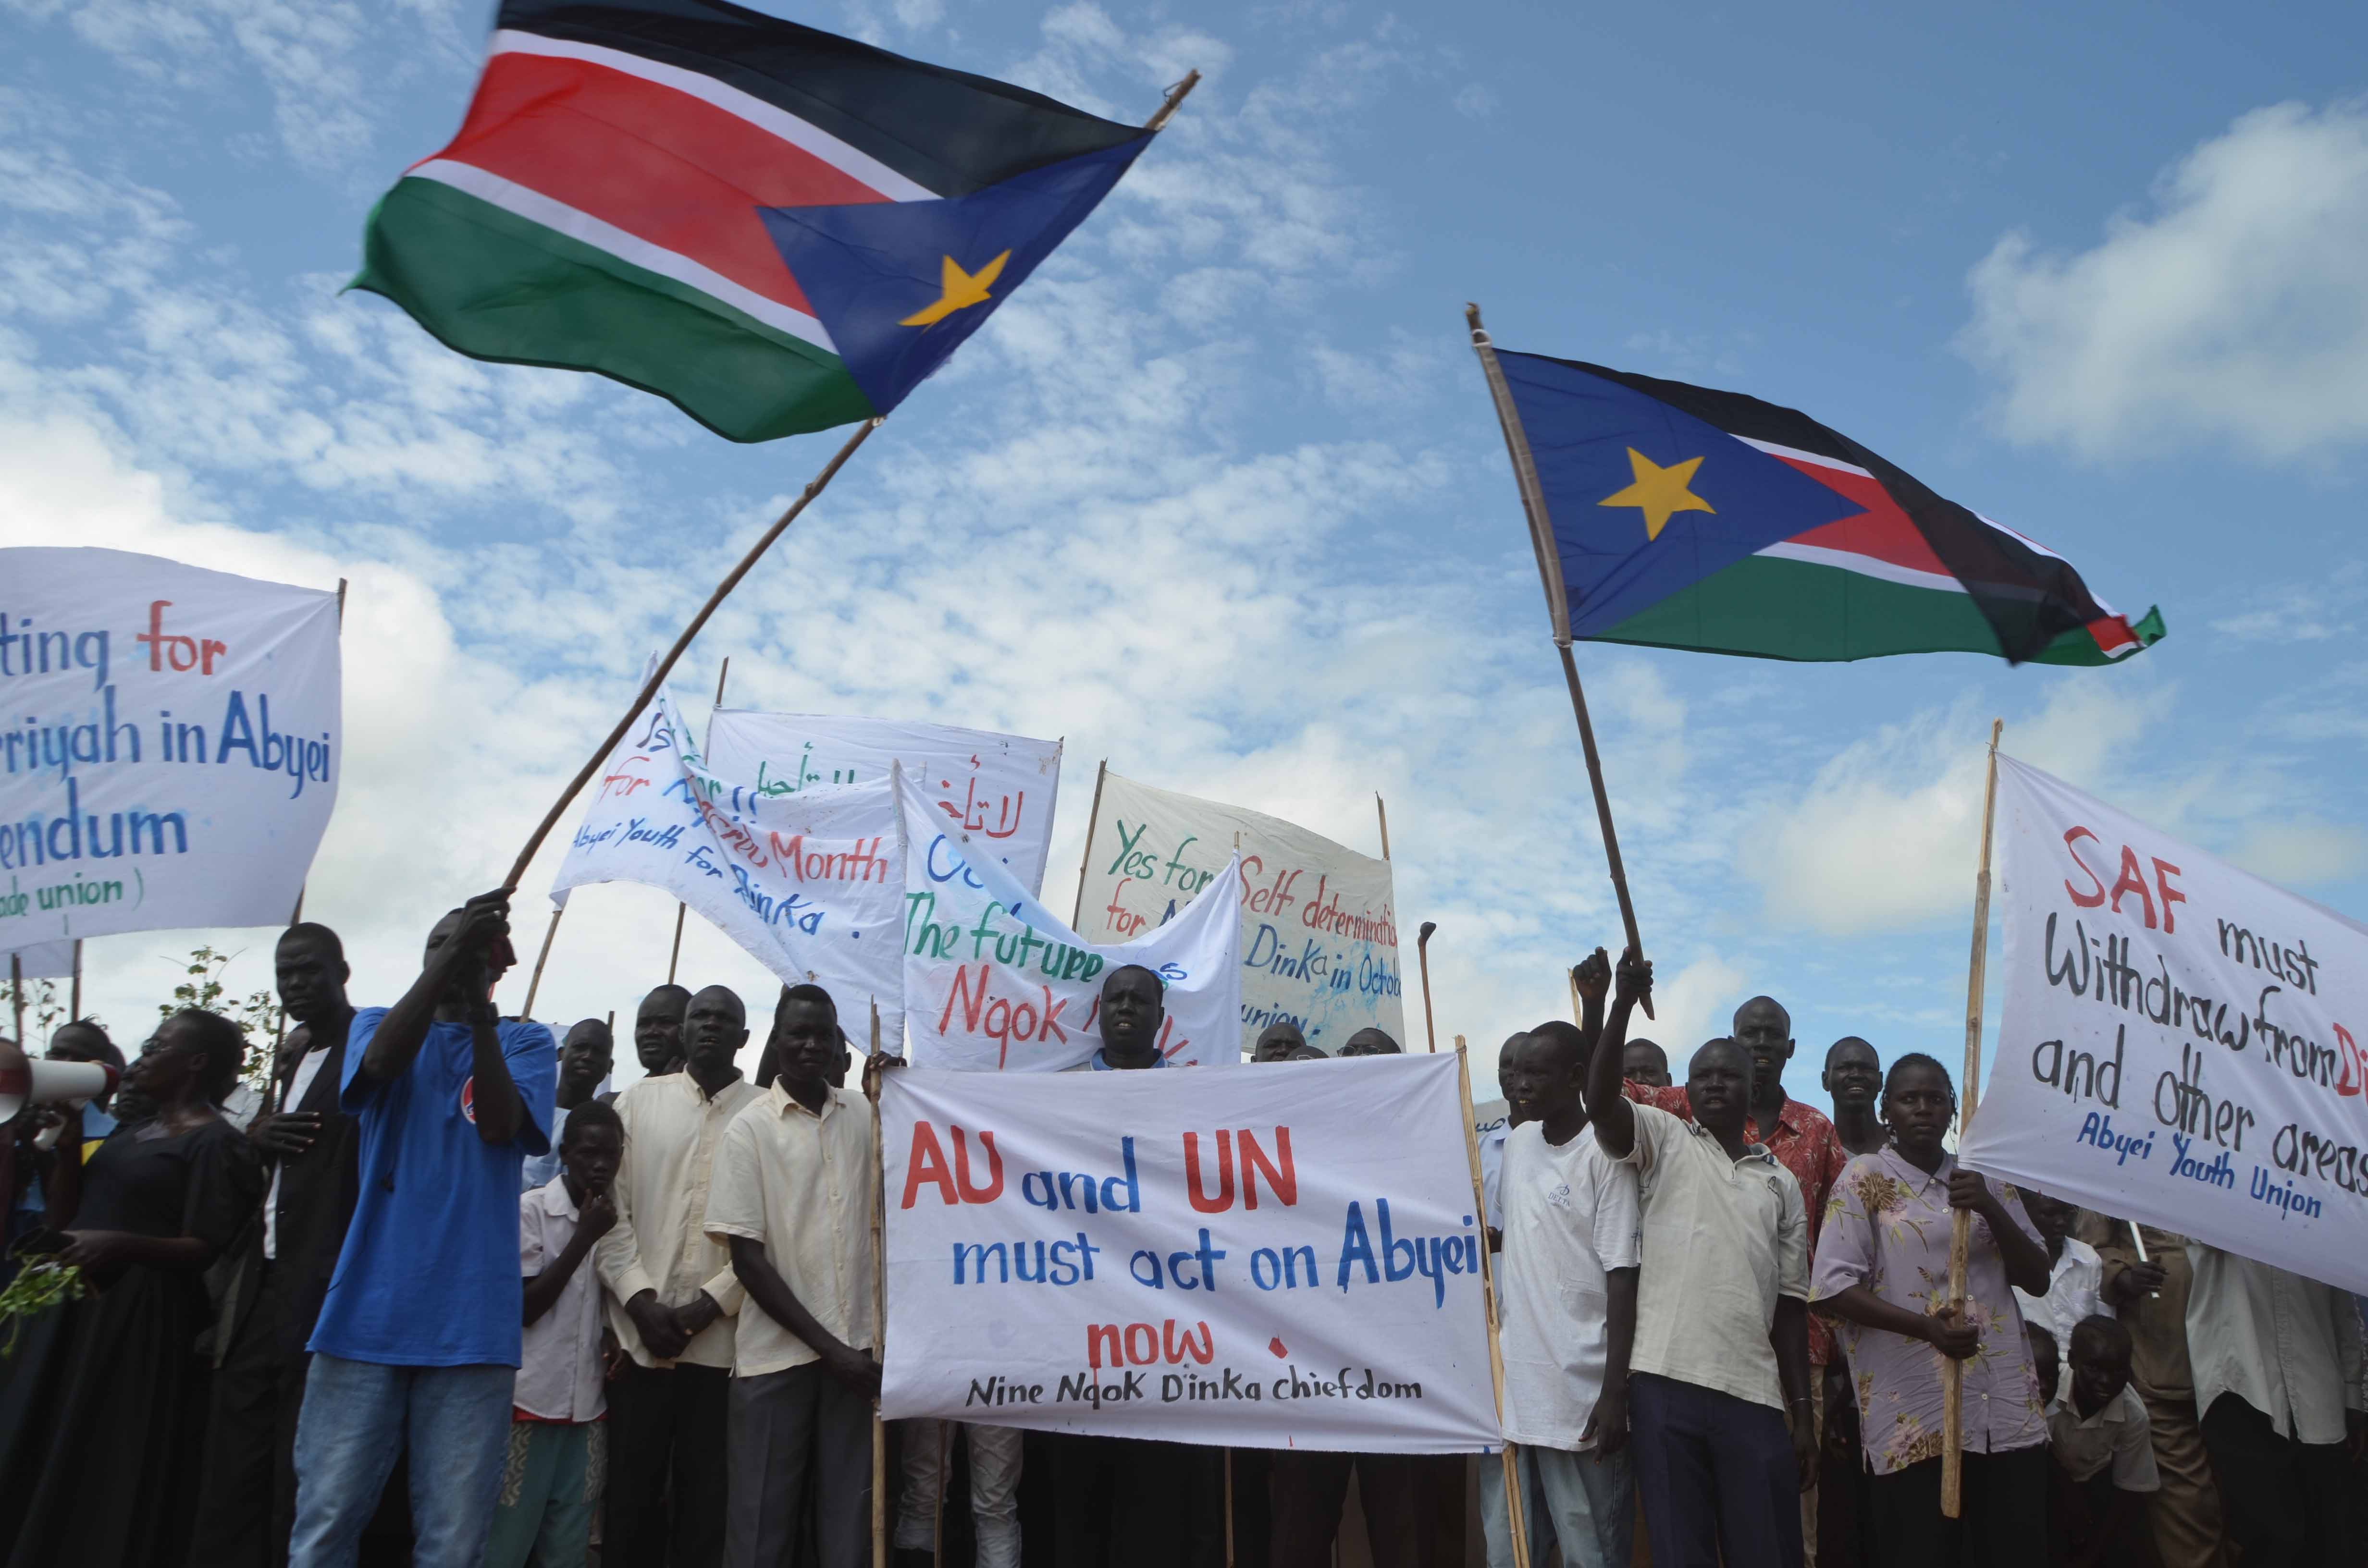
(2233, 305)
(2302, 852)
(1887, 833)
(2301, 612)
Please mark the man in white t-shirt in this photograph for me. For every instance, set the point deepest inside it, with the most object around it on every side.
(2074, 1273)
(1569, 1267)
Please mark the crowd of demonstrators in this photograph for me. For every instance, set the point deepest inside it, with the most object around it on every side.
(1722, 1318)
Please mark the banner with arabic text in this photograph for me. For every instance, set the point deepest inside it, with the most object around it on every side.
(1001, 789)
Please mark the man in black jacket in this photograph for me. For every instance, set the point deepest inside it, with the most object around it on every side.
(248, 1497)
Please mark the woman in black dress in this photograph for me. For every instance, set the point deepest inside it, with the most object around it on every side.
(111, 1475)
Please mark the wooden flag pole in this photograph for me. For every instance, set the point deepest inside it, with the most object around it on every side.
(16, 995)
(1382, 812)
(872, 1085)
(1085, 856)
(650, 688)
(674, 954)
(1961, 1224)
(74, 1004)
(1533, 504)
(1422, 957)
(1488, 1298)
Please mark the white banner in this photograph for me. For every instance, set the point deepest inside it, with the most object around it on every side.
(996, 981)
(2179, 1042)
(809, 884)
(1281, 1258)
(1001, 789)
(172, 744)
(1319, 923)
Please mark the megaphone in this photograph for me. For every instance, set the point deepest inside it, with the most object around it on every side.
(29, 1081)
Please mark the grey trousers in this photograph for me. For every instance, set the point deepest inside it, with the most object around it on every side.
(798, 1435)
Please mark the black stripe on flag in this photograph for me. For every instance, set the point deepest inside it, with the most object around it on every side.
(948, 130)
(2029, 597)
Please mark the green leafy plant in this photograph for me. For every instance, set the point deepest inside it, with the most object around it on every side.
(41, 1285)
(44, 1007)
(258, 1015)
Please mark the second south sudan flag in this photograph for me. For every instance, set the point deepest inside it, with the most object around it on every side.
(1684, 517)
(777, 229)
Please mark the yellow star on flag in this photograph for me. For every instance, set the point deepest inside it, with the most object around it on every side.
(1659, 491)
(962, 290)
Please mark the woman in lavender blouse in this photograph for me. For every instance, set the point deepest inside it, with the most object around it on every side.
(1882, 1270)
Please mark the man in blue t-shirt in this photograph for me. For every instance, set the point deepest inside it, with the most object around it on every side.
(417, 1342)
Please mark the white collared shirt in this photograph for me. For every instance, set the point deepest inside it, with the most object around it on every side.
(308, 1067)
(2120, 1435)
(660, 1241)
(559, 1373)
(2074, 1282)
(2286, 1346)
(1722, 1240)
(801, 1184)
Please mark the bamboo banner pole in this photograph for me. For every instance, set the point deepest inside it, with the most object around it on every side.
(1085, 856)
(17, 995)
(674, 954)
(1383, 810)
(1488, 1298)
(1961, 1224)
(1422, 957)
(650, 688)
(1533, 506)
(74, 1004)
(534, 982)
(880, 1313)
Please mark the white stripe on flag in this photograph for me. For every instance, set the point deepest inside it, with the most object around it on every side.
(1864, 565)
(537, 208)
(1772, 450)
(766, 116)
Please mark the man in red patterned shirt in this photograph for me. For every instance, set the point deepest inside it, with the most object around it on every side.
(1801, 1137)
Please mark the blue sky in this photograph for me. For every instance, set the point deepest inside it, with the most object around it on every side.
(1220, 496)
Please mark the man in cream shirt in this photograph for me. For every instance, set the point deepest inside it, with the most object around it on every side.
(672, 1300)
(1718, 1392)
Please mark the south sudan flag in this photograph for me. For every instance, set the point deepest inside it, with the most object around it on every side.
(777, 229)
(1684, 517)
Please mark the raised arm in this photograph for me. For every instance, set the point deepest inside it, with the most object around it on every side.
(1591, 978)
(457, 956)
(1614, 1118)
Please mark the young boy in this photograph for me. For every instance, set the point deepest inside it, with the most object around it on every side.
(2104, 1454)
(557, 1449)
(792, 1197)
(2045, 1366)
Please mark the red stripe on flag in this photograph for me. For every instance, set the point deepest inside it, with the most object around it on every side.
(1883, 532)
(2113, 633)
(659, 164)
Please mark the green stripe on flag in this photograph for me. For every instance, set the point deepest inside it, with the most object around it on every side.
(1769, 608)
(496, 286)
